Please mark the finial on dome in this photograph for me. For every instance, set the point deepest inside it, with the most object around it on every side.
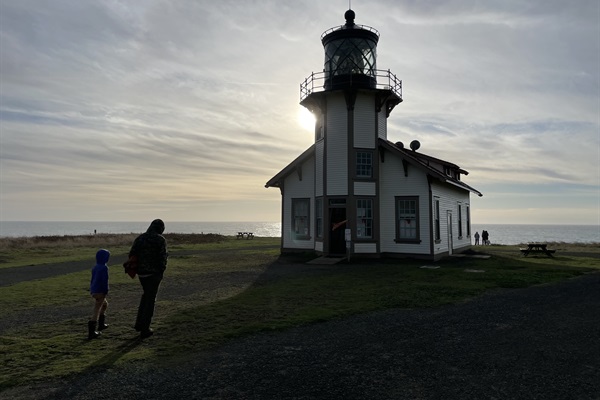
(349, 15)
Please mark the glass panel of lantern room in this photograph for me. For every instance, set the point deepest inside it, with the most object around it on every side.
(350, 56)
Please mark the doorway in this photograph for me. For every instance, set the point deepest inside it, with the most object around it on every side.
(337, 226)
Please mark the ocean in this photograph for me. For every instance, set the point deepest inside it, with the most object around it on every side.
(57, 228)
(499, 234)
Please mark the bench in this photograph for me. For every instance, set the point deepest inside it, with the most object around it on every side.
(245, 235)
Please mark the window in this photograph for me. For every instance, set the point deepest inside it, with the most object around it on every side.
(407, 219)
(436, 216)
(319, 216)
(460, 221)
(364, 164)
(300, 218)
(364, 218)
(468, 221)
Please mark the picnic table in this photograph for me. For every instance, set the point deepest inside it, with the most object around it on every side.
(535, 247)
(246, 235)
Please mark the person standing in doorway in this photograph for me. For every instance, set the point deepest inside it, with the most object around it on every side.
(476, 238)
(150, 248)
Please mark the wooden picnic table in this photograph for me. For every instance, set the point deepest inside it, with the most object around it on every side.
(247, 235)
(536, 247)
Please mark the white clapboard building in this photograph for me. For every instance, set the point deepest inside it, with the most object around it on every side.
(353, 189)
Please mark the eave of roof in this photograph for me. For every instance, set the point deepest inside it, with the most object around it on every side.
(277, 179)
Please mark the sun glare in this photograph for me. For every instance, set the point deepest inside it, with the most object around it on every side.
(306, 119)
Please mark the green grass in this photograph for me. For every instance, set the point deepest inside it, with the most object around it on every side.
(20, 251)
(276, 293)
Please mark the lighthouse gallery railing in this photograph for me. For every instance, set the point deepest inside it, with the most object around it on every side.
(385, 80)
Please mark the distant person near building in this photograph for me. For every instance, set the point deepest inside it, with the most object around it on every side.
(150, 248)
(99, 291)
(476, 238)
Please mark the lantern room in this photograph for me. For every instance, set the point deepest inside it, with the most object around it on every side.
(350, 55)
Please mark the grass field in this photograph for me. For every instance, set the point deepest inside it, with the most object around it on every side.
(218, 288)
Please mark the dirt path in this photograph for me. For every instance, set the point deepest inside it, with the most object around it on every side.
(12, 275)
(172, 288)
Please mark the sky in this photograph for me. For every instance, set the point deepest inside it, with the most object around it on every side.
(123, 110)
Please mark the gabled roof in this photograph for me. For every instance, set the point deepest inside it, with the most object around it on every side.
(278, 179)
(424, 162)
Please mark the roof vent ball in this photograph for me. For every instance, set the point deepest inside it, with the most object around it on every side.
(414, 145)
(400, 144)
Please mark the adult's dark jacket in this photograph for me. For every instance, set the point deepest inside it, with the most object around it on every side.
(150, 248)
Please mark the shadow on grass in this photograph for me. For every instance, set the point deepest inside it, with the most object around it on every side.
(290, 292)
(101, 364)
(111, 358)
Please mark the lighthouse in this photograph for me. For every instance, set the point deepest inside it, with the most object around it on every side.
(351, 100)
(353, 190)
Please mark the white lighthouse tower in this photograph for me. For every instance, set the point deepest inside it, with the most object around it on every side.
(351, 100)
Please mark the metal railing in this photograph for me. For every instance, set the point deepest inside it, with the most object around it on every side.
(355, 26)
(384, 79)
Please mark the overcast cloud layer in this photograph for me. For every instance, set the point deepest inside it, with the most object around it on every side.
(129, 110)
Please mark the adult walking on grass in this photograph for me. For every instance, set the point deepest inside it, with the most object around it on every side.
(150, 248)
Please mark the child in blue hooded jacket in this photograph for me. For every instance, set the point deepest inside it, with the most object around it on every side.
(99, 290)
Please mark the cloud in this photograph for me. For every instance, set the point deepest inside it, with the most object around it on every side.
(112, 110)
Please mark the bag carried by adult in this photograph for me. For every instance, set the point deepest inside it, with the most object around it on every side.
(131, 266)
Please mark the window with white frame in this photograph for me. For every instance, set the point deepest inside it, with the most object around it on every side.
(460, 230)
(301, 218)
(319, 217)
(364, 218)
(364, 164)
(468, 221)
(407, 219)
(436, 210)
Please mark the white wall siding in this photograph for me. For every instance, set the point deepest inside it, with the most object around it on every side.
(337, 146)
(319, 152)
(382, 124)
(365, 248)
(450, 197)
(393, 183)
(364, 121)
(365, 189)
(296, 188)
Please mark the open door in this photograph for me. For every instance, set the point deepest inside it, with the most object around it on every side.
(337, 225)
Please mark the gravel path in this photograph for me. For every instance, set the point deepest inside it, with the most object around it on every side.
(541, 342)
